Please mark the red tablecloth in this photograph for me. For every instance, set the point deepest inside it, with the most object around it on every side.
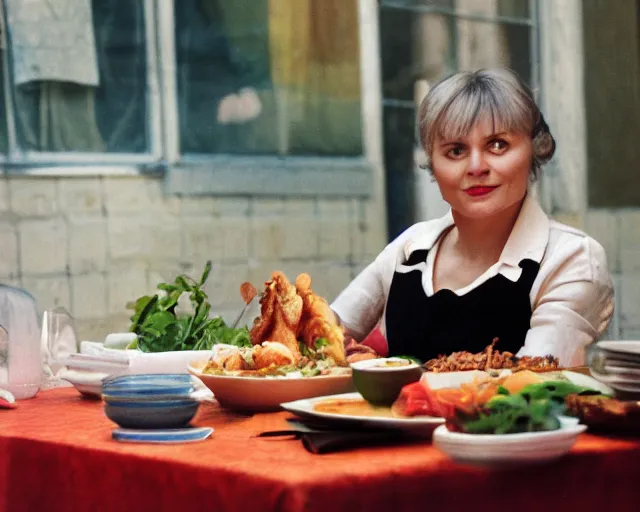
(56, 454)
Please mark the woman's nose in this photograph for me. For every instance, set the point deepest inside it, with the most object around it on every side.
(477, 165)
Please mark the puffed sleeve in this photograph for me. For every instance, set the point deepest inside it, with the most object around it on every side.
(361, 303)
(574, 303)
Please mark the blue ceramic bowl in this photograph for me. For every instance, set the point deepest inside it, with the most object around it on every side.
(116, 398)
(139, 386)
(154, 414)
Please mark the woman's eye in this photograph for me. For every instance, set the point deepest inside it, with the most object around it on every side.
(455, 152)
(498, 146)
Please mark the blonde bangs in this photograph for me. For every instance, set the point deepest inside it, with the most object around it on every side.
(477, 103)
(454, 106)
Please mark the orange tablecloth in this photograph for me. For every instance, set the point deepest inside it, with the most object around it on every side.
(56, 454)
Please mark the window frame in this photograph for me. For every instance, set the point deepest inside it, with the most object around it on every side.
(18, 160)
(532, 22)
(212, 174)
(289, 175)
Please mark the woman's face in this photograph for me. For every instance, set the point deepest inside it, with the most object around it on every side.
(484, 172)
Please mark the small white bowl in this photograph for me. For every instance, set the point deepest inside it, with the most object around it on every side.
(508, 449)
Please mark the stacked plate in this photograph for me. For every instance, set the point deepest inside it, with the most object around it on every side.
(152, 408)
(617, 364)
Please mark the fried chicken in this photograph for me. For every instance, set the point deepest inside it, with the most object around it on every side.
(272, 354)
(281, 311)
(250, 359)
(319, 321)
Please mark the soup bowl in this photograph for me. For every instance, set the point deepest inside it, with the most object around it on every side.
(380, 381)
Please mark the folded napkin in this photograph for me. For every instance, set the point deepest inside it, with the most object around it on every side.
(320, 439)
(95, 362)
(96, 357)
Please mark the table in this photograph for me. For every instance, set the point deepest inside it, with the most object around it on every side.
(56, 454)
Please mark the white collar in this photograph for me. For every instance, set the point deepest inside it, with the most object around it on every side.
(528, 239)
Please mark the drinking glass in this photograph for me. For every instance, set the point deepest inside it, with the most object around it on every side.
(59, 341)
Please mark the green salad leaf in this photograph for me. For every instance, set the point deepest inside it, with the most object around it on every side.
(535, 408)
(160, 329)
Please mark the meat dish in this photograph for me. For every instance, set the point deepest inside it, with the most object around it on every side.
(296, 332)
(490, 359)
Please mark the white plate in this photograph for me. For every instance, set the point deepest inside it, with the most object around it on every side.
(455, 379)
(628, 348)
(587, 381)
(443, 380)
(627, 388)
(89, 384)
(617, 378)
(623, 370)
(304, 409)
(163, 436)
(507, 449)
(253, 394)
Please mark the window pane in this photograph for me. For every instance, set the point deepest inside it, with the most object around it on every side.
(268, 76)
(514, 8)
(80, 85)
(612, 99)
(485, 44)
(493, 8)
(422, 50)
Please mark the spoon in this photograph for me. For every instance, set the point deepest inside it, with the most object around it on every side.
(248, 292)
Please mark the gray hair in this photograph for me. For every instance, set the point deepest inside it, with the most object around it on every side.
(454, 106)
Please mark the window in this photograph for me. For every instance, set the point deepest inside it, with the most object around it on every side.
(422, 42)
(78, 78)
(612, 98)
(277, 77)
(157, 80)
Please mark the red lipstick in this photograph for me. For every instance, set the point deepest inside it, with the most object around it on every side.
(479, 191)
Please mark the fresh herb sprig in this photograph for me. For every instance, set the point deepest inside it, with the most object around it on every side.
(160, 329)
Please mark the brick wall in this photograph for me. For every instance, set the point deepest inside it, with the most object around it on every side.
(93, 244)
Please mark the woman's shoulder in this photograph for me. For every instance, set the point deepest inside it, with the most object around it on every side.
(579, 255)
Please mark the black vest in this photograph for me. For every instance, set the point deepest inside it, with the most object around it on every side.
(426, 327)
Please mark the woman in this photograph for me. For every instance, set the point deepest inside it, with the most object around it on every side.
(496, 266)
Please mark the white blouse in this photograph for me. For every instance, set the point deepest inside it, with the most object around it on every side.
(572, 297)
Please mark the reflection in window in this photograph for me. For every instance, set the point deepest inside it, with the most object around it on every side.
(79, 76)
(268, 77)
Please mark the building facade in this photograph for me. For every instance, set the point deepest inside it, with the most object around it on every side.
(142, 138)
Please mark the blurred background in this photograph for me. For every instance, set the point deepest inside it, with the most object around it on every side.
(140, 138)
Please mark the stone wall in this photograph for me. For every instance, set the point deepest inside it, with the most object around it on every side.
(93, 244)
(619, 233)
